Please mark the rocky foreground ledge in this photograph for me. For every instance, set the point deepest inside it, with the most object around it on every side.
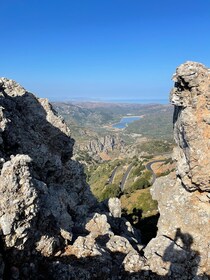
(53, 228)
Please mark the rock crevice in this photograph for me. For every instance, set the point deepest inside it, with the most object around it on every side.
(182, 246)
(53, 228)
(48, 215)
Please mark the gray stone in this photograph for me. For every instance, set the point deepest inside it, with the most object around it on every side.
(182, 245)
(114, 205)
(53, 228)
(47, 209)
(191, 125)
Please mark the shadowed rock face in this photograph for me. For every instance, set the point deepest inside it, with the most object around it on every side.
(43, 192)
(181, 248)
(191, 97)
(52, 227)
(46, 208)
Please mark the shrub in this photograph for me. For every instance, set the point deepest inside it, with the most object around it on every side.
(137, 170)
(141, 183)
(111, 190)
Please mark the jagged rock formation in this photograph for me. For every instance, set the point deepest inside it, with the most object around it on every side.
(191, 97)
(105, 144)
(99, 145)
(52, 227)
(181, 249)
(48, 216)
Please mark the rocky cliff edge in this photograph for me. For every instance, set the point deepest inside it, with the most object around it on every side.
(181, 249)
(52, 227)
(50, 222)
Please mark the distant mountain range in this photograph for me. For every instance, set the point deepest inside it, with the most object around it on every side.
(130, 101)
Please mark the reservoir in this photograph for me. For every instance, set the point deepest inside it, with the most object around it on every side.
(125, 121)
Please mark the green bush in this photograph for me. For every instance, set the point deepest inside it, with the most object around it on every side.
(137, 170)
(141, 183)
(111, 190)
(147, 175)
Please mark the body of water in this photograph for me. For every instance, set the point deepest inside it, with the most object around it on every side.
(125, 121)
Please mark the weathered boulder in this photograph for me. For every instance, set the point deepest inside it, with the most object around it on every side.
(98, 225)
(114, 205)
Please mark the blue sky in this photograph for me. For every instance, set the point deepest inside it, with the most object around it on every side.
(109, 49)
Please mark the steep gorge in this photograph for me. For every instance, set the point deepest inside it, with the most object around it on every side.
(53, 228)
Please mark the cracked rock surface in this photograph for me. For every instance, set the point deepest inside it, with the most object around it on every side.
(48, 216)
(191, 97)
(51, 226)
(181, 249)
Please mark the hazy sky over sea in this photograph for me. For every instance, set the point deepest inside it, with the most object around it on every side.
(126, 49)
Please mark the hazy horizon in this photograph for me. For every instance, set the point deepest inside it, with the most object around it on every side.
(114, 100)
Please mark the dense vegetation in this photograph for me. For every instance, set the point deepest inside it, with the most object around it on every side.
(136, 185)
(143, 139)
(154, 147)
(154, 125)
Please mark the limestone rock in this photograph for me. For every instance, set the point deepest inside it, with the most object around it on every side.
(104, 144)
(114, 205)
(83, 247)
(181, 249)
(191, 97)
(53, 228)
(47, 211)
(103, 147)
(182, 243)
(119, 244)
(43, 192)
(17, 189)
(133, 262)
(98, 225)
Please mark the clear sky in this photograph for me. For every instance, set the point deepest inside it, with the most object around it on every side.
(112, 49)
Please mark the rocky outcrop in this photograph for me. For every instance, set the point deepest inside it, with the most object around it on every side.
(182, 246)
(38, 177)
(106, 144)
(48, 217)
(53, 228)
(191, 97)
